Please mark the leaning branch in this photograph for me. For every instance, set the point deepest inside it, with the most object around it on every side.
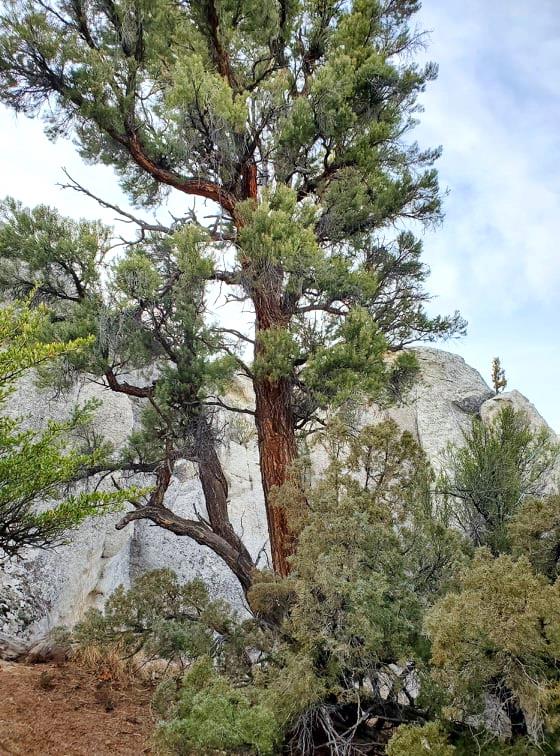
(198, 186)
(199, 532)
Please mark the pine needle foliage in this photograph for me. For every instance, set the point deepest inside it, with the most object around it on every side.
(535, 533)
(336, 643)
(499, 381)
(388, 636)
(294, 119)
(36, 467)
(498, 635)
(502, 463)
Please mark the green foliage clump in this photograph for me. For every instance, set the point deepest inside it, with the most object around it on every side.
(211, 707)
(213, 716)
(162, 618)
(414, 740)
(279, 232)
(277, 354)
(372, 554)
(501, 463)
(137, 278)
(352, 362)
(385, 615)
(36, 467)
(534, 532)
(499, 634)
(480, 743)
(499, 381)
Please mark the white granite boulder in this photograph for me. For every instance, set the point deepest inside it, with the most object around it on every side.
(53, 587)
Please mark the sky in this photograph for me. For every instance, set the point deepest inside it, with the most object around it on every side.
(495, 109)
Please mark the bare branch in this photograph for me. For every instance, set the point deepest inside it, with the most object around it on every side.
(144, 225)
(122, 387)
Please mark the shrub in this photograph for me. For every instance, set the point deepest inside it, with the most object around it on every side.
(501, 464)
(499, 635)
(414, 740)
(213, 716)
(535, 532)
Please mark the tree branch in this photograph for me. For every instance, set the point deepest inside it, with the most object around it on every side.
(122, 387)
(144, 225)
(199, 532)
(198, 186)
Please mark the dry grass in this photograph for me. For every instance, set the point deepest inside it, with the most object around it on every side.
(113, 663)
(108, 663)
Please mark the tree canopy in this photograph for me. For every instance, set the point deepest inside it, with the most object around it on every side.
(293, 119)
(286, 127)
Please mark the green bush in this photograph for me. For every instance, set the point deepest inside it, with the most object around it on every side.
(500, 465)
(413, 740)
(213, 716)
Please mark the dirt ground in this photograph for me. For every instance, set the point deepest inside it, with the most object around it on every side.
(62, 710)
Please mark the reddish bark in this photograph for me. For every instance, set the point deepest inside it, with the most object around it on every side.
(274, 419)
(198, 186)
(277, 451)
(273, 406)
(275, 426)
(219, 53)
(250, 181)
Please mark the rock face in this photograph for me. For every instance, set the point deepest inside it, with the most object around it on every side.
(56, 587)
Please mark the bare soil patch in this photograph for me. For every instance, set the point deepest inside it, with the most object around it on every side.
(63, 710)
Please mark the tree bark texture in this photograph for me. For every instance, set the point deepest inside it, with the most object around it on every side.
(277, 451)
(275, 428)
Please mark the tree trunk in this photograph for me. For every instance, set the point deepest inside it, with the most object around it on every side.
(277, 451)
(273, 417)
(275, 431)
(216, 492)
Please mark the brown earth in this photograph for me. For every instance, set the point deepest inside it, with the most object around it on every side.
(64, 710)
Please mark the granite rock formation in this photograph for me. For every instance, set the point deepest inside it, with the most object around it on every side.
(56, 587)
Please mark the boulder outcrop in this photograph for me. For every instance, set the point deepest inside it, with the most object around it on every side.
(56, 587)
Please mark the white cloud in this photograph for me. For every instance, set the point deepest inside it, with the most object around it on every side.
(492, 115)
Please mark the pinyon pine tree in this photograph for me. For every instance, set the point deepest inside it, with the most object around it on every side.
(291, 119)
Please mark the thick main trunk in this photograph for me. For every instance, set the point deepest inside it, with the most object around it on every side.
(277, 451)
(275, 428)
(273, 401)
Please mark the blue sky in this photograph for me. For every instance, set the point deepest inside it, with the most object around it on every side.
(496, 110)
